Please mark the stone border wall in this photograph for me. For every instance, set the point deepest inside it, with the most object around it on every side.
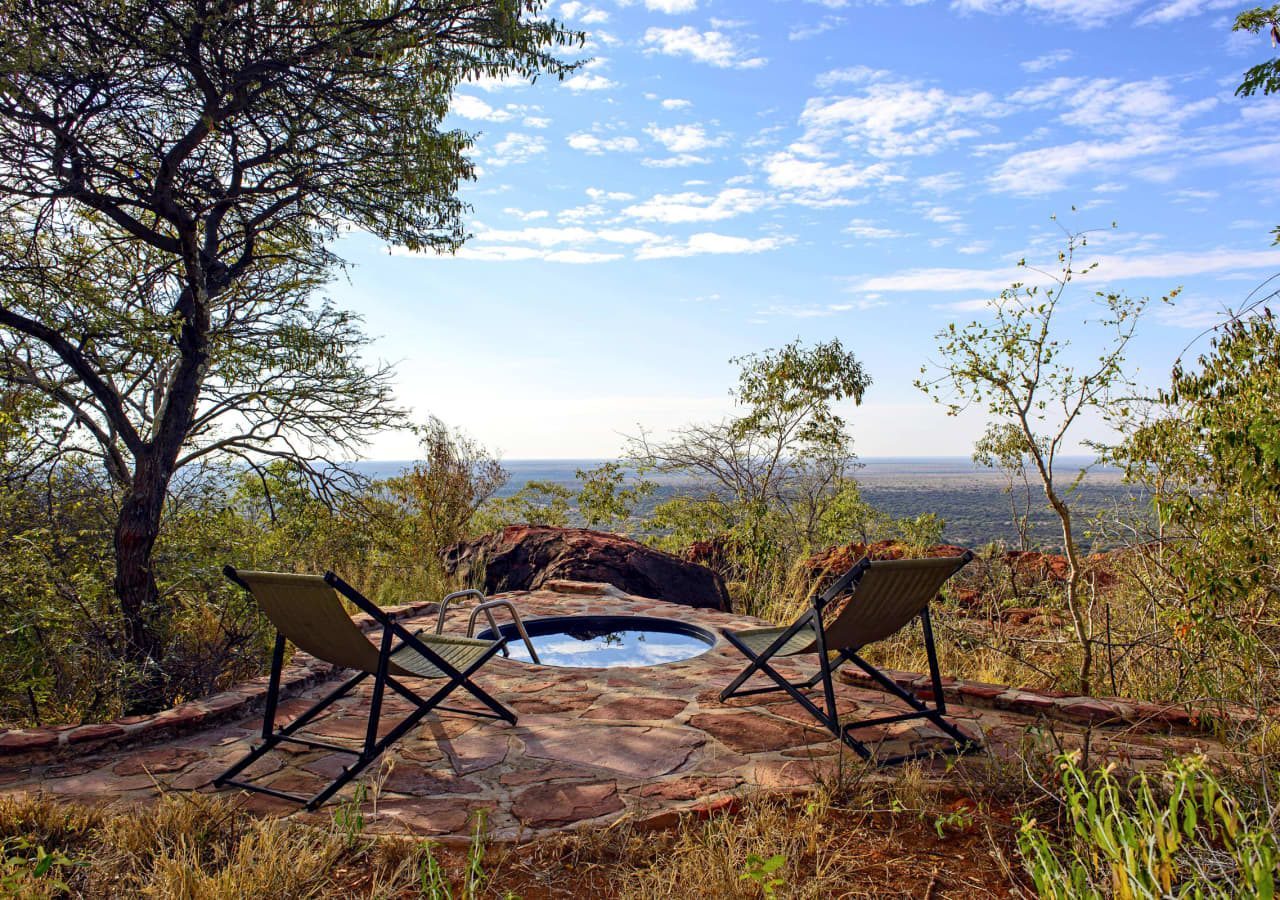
(29, 745)
(18, 747)
(1177, 718)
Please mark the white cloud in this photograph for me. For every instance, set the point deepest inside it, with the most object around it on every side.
(588, 81)
(683, 138)
(515, 253)
(469, 107)
(690, 206)
(581, 12)
(1166, 267)
(516, 148)
(1112, 107)
(535, 122)
(868, 230)
(942, 183)
(553, 237)
(526, 215)
(709, 242)
(675, 162)
(817, 180)
(1081, 13)
(1047, 169)
(590, 143)
(850, 75)
(671, 7)
(1047, 61)
(1182, 9)
(891, 119)
(675, 103)
(601, 194)
(714, 48)
(811, 30)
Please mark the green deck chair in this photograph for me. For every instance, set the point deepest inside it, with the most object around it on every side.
(306, 610)
(886, 596)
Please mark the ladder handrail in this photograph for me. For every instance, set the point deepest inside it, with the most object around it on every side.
(487, 607)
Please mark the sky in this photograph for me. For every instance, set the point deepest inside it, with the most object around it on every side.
(722, 178)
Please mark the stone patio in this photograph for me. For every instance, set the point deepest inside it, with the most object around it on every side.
(592, 746)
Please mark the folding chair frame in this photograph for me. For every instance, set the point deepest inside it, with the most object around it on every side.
(372, 747)
(830, 717)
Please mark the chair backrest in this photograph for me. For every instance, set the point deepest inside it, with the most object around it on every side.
(887, 595)
(307, 611)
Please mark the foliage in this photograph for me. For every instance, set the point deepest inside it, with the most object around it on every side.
(603, 502)
(761, 871)
(1264, 76)
(1209, 455)
(536, 503)
(1018, 367)
(1183, 835)
(765, 477)
(1003, 446)
(172, 175)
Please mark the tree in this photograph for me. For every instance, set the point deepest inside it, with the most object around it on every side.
(1265, 76)
(1016, 365)
(602, 500)
(774, 468)
(172, 172)
(1210, 451)
(1003, 446)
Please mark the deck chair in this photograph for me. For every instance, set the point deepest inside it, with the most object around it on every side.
(306, 610)
(886, 596)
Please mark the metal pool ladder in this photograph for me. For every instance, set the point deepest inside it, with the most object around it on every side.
(487, 607)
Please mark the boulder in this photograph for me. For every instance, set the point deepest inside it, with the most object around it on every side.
(525, 557)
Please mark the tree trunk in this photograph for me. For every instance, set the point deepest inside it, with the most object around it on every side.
(140, 513)
(136, 531)
(1078, 620)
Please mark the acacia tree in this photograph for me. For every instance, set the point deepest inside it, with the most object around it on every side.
(785, 456)
(182, 164)
(1016, 365)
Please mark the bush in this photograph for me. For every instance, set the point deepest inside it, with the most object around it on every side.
(1181, 835)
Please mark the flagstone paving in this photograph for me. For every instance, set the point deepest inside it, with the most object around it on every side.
(592, 745)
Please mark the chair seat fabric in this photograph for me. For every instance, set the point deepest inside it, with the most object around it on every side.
(458, 652)
(761, 639)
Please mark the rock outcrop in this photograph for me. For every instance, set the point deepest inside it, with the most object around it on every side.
(524, 557)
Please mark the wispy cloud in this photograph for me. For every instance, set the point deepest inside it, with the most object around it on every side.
(1167, 267)
(715, 48)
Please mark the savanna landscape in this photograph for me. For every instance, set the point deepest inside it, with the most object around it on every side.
(191, 416)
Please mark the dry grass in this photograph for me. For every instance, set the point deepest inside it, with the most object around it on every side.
(851, 838)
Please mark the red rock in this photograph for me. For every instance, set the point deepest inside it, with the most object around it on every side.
(187, 715)
(635, 709)
(525, 557)
(748, 732)
(94, 733)
(13, 742)
(686, 788)
(560, 804)
(628, 750)
(420, 782)
(428, 816)
(157, 762)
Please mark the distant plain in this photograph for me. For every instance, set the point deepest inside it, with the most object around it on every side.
(971, 500)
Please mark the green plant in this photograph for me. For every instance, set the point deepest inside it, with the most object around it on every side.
(29, 870)
(348, 817)
(435, 884)
(761, 871)
(1183, 834)
(1017, 364)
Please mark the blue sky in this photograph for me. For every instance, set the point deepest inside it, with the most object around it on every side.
(722, 178)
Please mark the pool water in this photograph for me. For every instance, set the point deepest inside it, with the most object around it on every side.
(604, 642)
